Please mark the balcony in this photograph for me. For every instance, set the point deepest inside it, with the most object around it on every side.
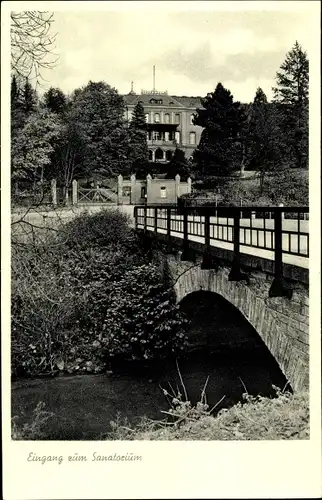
(161, 142)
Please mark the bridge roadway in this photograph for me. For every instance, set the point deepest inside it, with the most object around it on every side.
(295, 235)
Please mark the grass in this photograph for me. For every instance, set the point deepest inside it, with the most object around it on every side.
(285, 417)
(255, 418)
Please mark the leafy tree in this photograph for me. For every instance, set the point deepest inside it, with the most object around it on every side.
(55, 100)
(138, 150)
(292, 95)
(264, 138)
(98, 111)
(219, 150)
(178, 165)
(67, 155)
(31, 146)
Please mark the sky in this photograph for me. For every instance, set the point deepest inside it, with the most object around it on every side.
(192, 50)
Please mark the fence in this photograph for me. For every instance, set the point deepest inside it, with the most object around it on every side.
(27, 194)
(92, 196)
(246, 212)
(278, 239)
(51, 193)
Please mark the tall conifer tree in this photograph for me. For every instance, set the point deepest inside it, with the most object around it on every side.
(222, 120)
(292, 95)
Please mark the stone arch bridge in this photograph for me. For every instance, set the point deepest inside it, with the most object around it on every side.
(269, 289)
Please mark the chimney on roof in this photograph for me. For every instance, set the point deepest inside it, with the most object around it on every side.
(132, 90)
(153, 78)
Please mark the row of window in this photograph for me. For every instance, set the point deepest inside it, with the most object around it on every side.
(156, 116)
(127, 191)
(159, 155)
(160, 135)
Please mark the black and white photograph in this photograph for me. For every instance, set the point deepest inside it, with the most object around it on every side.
(160, 226)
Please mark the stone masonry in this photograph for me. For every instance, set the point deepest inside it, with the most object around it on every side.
(282, 323)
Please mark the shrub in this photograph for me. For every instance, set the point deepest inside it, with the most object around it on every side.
(103, 229)
(140, 319)
(65, 294)
(34, 430)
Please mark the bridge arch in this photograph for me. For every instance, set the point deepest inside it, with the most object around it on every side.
(220, 332)
(272, 318)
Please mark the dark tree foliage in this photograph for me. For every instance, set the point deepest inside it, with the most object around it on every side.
(178, 165)
(33, 133)
(292, 96)
(67, 157)
(138, 121)
(15, 92)
(219, 150)
(98, 110)
(138, 147)
(29, 98)
(260, 96)
(55, 100)
(265, 141)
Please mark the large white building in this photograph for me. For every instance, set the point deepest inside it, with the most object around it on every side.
(169, 122)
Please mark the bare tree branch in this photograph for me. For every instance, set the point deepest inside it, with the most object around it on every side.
(32, 44)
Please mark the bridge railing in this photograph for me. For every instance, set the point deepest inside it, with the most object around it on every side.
(281, 234)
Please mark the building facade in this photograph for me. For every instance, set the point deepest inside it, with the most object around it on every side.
(151, 190)
(169, 122)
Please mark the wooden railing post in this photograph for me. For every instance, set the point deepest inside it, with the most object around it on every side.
(188, 254)
(54, 191)
(145, 210)
(155, 220)
(235, 271)
(169, 229)
(135, 215)
(207, 261)
(278, 287)
(74, 192)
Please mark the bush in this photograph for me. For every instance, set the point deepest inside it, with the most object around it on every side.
(288, 187)
(34, 430)
(65, 294)
(141, 320)
(103, 229)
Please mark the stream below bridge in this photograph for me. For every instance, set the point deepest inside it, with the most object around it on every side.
(224, 348)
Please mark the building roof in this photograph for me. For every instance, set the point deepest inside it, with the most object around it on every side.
(191, 102)
(167, 100)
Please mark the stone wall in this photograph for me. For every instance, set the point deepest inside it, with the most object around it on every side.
(282, 323)
(158, 191)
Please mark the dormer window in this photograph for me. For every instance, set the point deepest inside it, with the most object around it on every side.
(152, 101)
